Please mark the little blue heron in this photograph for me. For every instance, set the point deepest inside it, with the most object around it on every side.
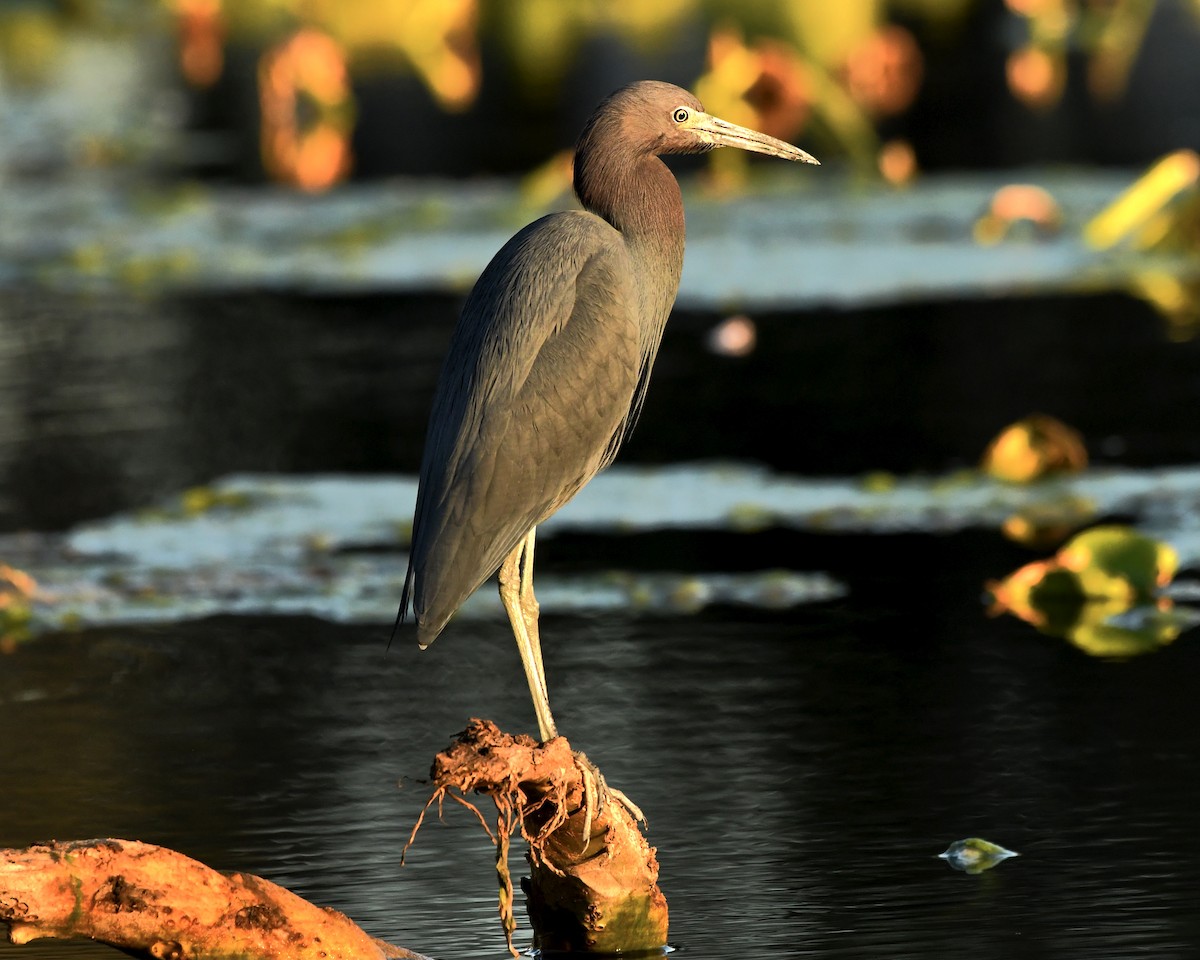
(549, 362)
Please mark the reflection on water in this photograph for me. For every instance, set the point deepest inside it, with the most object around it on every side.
(110, 402)
(800, 770)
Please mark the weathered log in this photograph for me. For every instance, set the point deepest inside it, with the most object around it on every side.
(157, 903)
(593, 877)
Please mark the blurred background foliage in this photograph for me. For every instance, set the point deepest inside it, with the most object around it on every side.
(311, 92)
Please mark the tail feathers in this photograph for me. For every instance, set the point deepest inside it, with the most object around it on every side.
(428, 627)
(428, 632)
(406, 597)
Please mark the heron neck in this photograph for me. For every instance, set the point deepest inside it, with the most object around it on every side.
(641, 199)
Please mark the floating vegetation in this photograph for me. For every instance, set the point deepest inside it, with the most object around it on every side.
(1160, 209)
(879, 482)
(1174, 297)
(975, 855)
(1037, 446)
(17, 592)
(356, 588)
(803, 248)
(1017, 210)
(197, 500)
(1117, 562)
(1113, 631)
(333, 547)
(1048, 523)
(1102, 591)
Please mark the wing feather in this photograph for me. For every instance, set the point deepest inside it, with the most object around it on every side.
(532, 401)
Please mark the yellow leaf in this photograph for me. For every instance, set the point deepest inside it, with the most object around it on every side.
(1134, 210)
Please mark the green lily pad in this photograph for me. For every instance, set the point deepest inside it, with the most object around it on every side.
(1119, 562)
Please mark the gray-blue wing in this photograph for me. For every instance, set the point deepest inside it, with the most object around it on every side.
(531, 402)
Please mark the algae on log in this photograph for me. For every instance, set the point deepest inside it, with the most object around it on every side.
(593, 885)
(154, 902)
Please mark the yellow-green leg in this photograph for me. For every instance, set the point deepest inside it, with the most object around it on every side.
(516, 593)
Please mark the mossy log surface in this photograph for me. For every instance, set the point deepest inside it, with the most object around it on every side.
(155, 902)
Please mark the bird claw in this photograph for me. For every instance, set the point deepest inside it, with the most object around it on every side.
(595, 792)
(634, 810)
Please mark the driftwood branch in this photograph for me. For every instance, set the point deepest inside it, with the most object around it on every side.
(592, 887)
(157, 903)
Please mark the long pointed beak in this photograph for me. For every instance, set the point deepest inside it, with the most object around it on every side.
(722, 133)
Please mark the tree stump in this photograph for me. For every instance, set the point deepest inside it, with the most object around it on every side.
(593, 877)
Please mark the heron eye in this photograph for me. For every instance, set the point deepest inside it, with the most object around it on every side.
(680, 115)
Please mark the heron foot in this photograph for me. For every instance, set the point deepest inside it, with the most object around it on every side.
(634, 810)
(596, 792)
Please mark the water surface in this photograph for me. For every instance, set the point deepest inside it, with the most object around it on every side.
(800, 770)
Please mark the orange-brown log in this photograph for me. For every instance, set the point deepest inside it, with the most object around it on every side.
(157, 903)
(586, 894)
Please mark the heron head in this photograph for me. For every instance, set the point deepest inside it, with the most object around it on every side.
(659, 118)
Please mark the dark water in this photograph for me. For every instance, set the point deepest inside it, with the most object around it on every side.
(107, 402)
(800, 769)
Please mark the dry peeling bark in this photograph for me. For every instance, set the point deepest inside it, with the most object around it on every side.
(157, 903)
(593, 892)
